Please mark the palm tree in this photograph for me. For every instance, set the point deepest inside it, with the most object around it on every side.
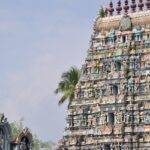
(67, 85)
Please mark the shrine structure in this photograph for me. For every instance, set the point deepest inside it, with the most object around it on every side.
(9, 141)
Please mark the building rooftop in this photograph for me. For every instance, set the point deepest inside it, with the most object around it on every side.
(109, 22)
(138, 12)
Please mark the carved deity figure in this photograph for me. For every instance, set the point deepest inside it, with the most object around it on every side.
(147, 118)
(103, 119)
(127, 118)
(119, 117)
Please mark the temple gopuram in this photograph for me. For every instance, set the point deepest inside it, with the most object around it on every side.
(23, 141)
(111, 108)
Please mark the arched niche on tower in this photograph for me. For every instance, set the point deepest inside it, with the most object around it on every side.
(5, 133)
(24, 140)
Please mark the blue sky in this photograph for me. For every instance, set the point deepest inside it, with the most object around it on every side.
(40, 39)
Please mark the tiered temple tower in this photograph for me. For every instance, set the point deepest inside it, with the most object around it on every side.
(111, 109)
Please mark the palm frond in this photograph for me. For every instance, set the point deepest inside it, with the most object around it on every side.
(64, 97)
(66, 86)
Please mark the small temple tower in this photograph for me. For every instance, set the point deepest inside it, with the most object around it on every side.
(8, 141)
(111, 109)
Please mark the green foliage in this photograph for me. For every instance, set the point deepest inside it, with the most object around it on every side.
(17, 128)
(102, 12)
(38, 144)
(67, 85)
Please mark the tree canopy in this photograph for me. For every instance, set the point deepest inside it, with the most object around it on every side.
(18, 126)
(66, 86)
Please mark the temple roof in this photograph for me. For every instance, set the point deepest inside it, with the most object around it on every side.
(113, 22)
